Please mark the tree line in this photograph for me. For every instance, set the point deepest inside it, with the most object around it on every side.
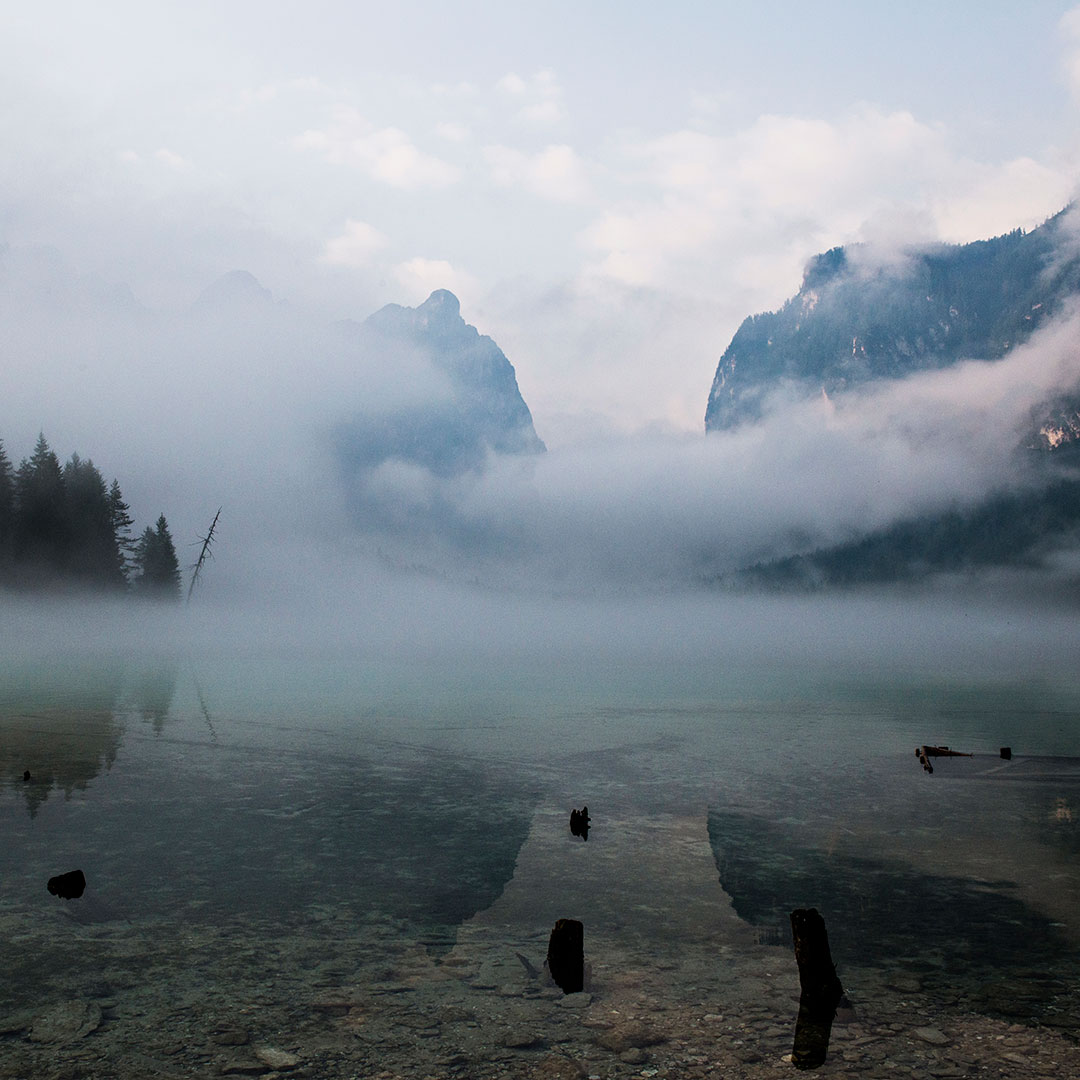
(62, 527)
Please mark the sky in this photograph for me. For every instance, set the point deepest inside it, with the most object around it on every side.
(609, 188)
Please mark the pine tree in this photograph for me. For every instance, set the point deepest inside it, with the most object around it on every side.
(159, 570)
(121, 521)
(95, 557)
(7, 514)
(41, 535)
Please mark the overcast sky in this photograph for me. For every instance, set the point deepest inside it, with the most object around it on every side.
(609, 188)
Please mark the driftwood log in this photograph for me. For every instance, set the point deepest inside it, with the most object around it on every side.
(566, 955)
(821, 991)
(924, 753)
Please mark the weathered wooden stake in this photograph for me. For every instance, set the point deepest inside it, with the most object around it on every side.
(566, 955)
(821, 989)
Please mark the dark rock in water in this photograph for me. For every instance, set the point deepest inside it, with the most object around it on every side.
(566, 955)
(579, 823)
(69, 886)
(821, 989)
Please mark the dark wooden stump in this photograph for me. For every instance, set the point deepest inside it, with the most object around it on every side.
(69, 886)
(566, 955)
(821, 989)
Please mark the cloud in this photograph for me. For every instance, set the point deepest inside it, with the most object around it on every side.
(1070, 32)
(512, 83)
(540, 97)
(355, 246)
(419, 277)
(456, 133)
(555, 173)
(663, 511)
(385, 154)
(173, 160)
(1018, 191)
(710, 207)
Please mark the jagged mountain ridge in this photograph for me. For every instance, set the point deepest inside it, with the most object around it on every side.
(483, 411)
(852, 322)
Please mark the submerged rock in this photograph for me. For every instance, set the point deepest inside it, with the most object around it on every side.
(66, 1022)
(276, 1059)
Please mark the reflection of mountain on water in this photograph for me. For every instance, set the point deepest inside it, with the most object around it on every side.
(430, 841)
(196, 829)
(886, 914)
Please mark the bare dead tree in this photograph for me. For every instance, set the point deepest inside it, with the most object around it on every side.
(204, 553)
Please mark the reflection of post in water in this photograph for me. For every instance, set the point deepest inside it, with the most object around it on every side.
(202, 700)
(821, 989)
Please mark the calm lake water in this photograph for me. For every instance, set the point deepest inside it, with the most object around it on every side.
(272, 842)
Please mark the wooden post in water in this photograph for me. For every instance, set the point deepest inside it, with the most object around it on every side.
(821, 989)
(566, 955)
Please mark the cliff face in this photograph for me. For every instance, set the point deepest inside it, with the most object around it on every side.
(479, 409)
(853, 321)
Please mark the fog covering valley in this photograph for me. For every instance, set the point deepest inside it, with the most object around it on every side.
(613, 545)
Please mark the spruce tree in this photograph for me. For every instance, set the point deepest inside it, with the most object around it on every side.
(121, 522)
(7, 514)
(95, 558)
(41, 535)
(159, 570)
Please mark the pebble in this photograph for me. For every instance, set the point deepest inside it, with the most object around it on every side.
(574, 1001)
(932, 1036)
(276, 1059)
(521, 1039)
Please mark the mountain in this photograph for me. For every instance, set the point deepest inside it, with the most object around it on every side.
(856, 319)
(238, 292)
(464, 402)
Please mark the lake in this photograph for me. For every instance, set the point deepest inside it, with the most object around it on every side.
(323, 863)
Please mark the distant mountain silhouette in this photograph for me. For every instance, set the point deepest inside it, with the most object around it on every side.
(478, 409)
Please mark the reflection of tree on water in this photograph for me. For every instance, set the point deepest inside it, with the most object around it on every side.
(150, 692)
(64, 722)
(59, 722)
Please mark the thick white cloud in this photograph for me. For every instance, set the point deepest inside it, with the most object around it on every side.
(386, 154)
(556, 172)
(789, 186)
(419, 277)
(356, 246)
(662, 510)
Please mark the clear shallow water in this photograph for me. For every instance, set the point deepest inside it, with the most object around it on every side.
(282, 837)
